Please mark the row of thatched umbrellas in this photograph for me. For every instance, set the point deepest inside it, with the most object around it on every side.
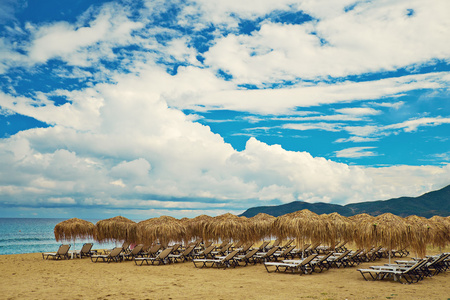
(391, 231)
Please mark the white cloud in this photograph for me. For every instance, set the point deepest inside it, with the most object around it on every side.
(356, 152)
(358, 111)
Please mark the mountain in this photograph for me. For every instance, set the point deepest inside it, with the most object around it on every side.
(427, 205)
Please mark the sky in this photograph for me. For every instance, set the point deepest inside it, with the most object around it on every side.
(146, 108)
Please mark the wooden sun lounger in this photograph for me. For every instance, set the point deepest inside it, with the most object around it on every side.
(160, 259)
(265, 256)
(321, 263)
(136, 252)
(62, 253)
(205, 253)
(292, 265)
(114, 255)
(224, 262)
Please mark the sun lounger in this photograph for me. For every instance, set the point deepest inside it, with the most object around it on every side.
(205, 253)
(86, 250)
(224, 262)
(263, 246)
(292, 265)
(135, 252)
(410, 275)
(114, 255)
(276, 244)
(287, 244)
(285, 254)
(247, 258)
(223, 250)
(152, 251)
(321, 263)
(266, 256)
(339, 260)
(184, 256)
(62, 253)
(160, 259)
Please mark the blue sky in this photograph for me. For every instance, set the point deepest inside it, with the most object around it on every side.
(182, 108)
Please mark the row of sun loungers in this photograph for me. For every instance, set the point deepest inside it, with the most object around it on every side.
(409, 271)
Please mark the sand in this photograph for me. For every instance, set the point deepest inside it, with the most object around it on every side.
(28, 276)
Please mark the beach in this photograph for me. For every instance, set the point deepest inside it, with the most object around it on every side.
(28, 276)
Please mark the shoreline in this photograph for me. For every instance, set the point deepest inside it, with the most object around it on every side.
(28, 276)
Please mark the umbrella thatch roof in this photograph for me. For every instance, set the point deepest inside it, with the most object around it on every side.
(261, 226)
(338, 228)
(164, 229)
(195, 226)
(388, 230)
(116, 229)
(440, 231)
(420, 234)
(302, 225)
(359, 223)
(227, 227)
(70, 230)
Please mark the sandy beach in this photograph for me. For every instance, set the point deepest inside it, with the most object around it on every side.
(28, 276)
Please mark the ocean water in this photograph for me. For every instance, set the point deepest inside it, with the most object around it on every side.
(21, 235)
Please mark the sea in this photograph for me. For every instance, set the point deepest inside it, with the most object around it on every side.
(33, 235)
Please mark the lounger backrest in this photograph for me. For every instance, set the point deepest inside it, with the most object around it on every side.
(154, 249)
(137, 249)
(264, 245)
(276, 243)
(308, 259)
(115, 252)
(207, 244)
(288, 250)
(246, 247)
(86, 248)
(271, 251)
(125, 246)
(288, 243)
(63, 249)
(208, 250)
(164, 253)
(418, 264)
(188, 250)
(344, 254)
(305, 247)
(251, 253)
(325, 257)
(230, 255)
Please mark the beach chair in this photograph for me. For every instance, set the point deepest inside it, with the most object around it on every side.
(151, 251)
(135, 252)
(184, 256)
(247, 258)
(286, 245)
(321, 263)
(275, 244)
(292, 265)
(312, 249)
(352, 259)
(62, 253)
(340, 247)
(245, 248)
(223, 262)
(237, 245)
(301, 251)
(161, 259)
(265, 256)
(285, 254)
(205, 253)
(223, 250)
(86, 250)
(263, 246)
(338, 261)
(205, 245)
(114, 255)
(411, 274)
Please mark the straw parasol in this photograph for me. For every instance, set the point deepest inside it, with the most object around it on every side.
(164, 229)
(420, 234)
(74, 228)
(227, 227)
(261, 226)
(70, 230)
(440, 231)
(116, 229)
(303, 225)
(195, 226)
(388, 230)
(338, 228)
(359, 222)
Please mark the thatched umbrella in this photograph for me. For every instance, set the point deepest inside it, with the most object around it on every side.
(420, 231)
(116, 229)
(440, 231)
(164, 230)
(70, 230)
(303, 225)
(359, 222)
(227, 227)
(195, 227)
(388, 230)
(337, 228)
(261, 226)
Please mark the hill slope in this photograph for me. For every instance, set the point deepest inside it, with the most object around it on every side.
(427, 205)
